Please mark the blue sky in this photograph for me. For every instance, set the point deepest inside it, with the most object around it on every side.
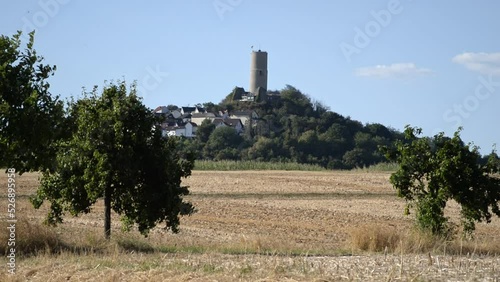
(430, 64)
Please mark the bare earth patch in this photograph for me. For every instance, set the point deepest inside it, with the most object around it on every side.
(255, 225)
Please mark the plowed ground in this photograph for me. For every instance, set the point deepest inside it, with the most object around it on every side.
(287, 212)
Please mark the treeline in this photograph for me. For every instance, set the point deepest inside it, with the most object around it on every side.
(292, 129)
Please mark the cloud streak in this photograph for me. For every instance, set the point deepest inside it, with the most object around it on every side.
(400, 70)
(484, 63)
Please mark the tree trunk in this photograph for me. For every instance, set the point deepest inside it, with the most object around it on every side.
(107, 212)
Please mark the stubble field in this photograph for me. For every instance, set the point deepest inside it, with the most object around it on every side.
(258, 226)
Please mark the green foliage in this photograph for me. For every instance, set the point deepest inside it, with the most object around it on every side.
(264, 149)
(116, 152)
(204, 130)
(356, 158)
(223, 144)
(253, 165)
(435, 170)
(294, 102)
(172, 107)
(211, 107)
(294, 128)
(31, 119)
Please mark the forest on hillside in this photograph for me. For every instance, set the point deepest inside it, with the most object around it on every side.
(294, 128)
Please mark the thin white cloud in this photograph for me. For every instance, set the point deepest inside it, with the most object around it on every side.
(401, 70)
(484, 63)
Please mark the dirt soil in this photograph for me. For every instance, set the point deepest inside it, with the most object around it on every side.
(299, 212)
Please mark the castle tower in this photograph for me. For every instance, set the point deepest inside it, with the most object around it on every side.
(258, 71)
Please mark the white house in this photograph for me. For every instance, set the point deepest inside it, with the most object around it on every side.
(188, 130)
(198, 118)
(192, 110)
(247, 118)
(162, 110)
(234, 123)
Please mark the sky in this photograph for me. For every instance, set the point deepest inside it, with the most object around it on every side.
(430, 64)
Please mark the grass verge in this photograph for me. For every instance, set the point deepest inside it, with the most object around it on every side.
(253, 165)
(374, 238)
(30, 238)
(34, 239)
(380, 167)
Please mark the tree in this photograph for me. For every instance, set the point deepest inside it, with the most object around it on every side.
(319, 108)
(211, 107)
(435, 170)
(117, 153)
(308, 143)
(264, 149)
(356, 157)
(223, 143)
(294, 102)
(377, 129)
(172, 107)
(31, 119)
(204, 130)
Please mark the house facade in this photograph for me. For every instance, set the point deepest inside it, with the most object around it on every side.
(188, 130)
(192, 110)
(248, 118)
(198, 118)
(234, 123)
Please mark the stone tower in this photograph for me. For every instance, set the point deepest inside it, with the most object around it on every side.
(258, 71)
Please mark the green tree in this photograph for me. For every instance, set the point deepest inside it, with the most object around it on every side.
(31, 119)
(435, 170)
(364, 141)
(356, 157)
(223, 143)
(172, 107)
(308, 143)
(378, 129)
(293, 102)
(264, 149)
(117, 153)
(334, 141)
(204, 130)
(211, 107)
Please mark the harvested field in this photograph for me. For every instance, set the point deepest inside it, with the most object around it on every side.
(258, 225)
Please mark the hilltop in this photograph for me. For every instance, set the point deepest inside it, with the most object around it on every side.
(278, 126)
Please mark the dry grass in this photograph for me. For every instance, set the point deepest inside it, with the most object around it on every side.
(220, 267)
(374, 238)
(31, 238)
(268, 226)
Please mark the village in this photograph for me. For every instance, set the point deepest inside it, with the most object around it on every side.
(184, 121)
